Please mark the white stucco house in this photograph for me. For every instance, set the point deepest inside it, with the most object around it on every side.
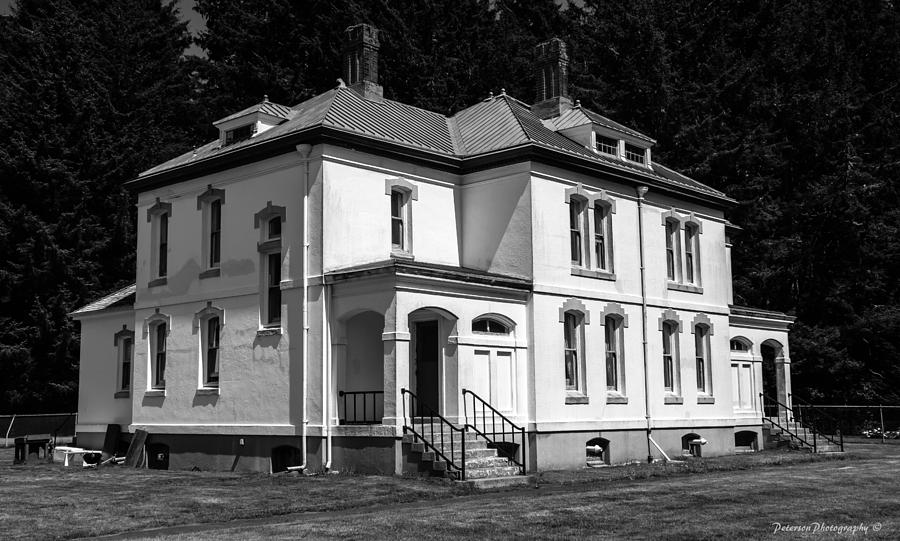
(325, 278)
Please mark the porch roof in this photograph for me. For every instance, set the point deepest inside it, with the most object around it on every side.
(431, 270)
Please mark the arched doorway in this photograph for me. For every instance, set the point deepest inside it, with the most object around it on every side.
(429, 330)
(360, 370)
(773, 370)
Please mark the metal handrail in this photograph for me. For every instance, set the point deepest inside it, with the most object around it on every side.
(418, 407)
(838, 439)
(514, 429)
(365, 420)
(787, 421)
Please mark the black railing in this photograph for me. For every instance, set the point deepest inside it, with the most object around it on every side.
(361, 407)
(503, 440)
(827, 425)
(780, 415)
(437, 433)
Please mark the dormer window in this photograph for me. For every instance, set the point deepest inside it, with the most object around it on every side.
(634, 154)
(239, 134)
(606, 145)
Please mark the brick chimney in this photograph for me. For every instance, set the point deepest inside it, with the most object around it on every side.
(551, 70)
(360, 61)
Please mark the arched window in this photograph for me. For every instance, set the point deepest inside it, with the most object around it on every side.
(490, 325)
(739, 344)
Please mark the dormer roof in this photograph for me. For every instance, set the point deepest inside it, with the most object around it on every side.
(579, 116)
(264, 107)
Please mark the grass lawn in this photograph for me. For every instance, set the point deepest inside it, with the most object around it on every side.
(727, 497)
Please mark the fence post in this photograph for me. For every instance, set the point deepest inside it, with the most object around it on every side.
(881, 414)
(11, 421)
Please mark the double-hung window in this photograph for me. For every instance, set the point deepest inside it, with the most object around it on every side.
(210, 203)
(670, 356)
(577, 210)
(402, 193)
(691, 260)
(215, 233)
(702, 352)
(573, 350)
(124, 341)
(603, 236)
(270, 223)
(672, 262)
(158, 215)
(398, 220)
(613, 328)
(158, 356)
(211, 353)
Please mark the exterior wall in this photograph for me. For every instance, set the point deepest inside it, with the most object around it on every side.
(357, 211)
(496, 221)
(98, 376)
(756, 335)
(260, 388)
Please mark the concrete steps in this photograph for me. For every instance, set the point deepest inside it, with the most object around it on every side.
(780, 437)
(485, 468)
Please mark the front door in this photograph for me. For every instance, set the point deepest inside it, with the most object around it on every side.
(427, 354)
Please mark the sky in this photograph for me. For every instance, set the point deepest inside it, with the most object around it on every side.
(194, 20)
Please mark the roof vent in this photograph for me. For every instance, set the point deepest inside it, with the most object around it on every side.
(551, 70)
(360, 61)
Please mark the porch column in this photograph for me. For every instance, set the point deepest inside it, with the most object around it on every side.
(396, 375)
(782, 370)
(338, 370)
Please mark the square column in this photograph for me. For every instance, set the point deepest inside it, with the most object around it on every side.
(396, 375)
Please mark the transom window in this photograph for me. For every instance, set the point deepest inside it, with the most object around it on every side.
(634, 153)
(739, 345)
(489, 325)
(607, 145)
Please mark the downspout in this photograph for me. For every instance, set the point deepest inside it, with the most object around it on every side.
(326, 363)
(641, 192)
(305, 151)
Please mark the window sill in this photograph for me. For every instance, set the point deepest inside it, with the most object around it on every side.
(155, 393)
(589, 273)
(211, 273)
(157, 282)
(706, 400)
(674, 400)
(616, 398)
(269, 331)
(207, 391)
(122, 394)
(576, 398)
(687, 288)
(402, 254)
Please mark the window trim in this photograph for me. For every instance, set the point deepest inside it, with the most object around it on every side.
(670, 328)
(583, 232)
(615, 312)
(119, 340)
(498, 319)
(159, 215)
(578, 229)
(211, 242)
(574, 307)
(199, 328)
(407, 191)
(269, 248)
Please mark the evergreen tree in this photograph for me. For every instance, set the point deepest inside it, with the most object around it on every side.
(93, 93)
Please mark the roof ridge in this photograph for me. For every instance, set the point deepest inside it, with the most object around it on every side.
(516, 116)
(455, 135)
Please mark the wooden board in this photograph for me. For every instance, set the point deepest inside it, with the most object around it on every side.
(111, 442)
(135, 456)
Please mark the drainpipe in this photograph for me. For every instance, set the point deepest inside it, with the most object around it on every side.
(641, 192)
(304, 151)
(326, 366)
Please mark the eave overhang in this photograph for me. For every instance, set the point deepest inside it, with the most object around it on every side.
(530, 151)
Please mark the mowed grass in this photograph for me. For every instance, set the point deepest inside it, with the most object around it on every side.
(726, 497)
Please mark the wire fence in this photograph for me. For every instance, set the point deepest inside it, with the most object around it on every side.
(870, 421)
(60, 425)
